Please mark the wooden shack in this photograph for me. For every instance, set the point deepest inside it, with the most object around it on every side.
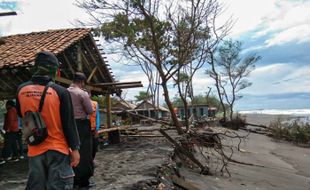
(75, 48)
(201, 110)
(146, 108)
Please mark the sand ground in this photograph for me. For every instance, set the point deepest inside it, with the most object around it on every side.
(286, 167)
(122, 166)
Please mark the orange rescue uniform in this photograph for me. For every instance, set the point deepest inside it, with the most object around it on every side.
(30, 96)
(93, 116)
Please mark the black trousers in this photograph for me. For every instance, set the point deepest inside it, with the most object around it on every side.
(10, 145)
(85, 168)
(20, 143)
(95, 144)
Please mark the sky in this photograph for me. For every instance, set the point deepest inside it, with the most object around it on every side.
(277, 30)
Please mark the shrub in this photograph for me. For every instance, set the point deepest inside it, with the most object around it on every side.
(295, 131)
(236, 123)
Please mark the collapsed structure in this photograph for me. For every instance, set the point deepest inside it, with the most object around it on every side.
(75, 48)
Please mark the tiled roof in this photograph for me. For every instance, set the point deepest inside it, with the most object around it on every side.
(22, 48)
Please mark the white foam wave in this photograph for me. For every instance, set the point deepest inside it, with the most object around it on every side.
(298, 112)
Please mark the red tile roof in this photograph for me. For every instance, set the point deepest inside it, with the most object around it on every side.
(21, 49)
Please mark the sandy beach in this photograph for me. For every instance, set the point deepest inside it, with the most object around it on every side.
(133, 164)
(265, 119)
(285, 167)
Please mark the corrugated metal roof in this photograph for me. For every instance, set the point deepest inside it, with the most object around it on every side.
(21, 49)
(148, 105)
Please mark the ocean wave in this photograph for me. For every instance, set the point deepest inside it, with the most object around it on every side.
(297, 112)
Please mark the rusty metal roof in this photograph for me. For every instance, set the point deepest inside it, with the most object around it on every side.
(21, 49)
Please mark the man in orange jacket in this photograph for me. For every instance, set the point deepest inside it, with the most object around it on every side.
(11, 133)
(51, 161)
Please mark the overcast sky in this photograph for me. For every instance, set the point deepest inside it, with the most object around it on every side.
(277, 30)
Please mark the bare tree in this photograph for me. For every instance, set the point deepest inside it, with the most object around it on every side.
(232, 72)
(169, 36)
(216, 77)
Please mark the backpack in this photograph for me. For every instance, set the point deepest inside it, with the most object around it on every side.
(34, 127)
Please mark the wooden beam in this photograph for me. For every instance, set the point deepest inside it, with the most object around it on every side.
(79, 57)
(113, 136)
(127, 86)
(7, 95)
(68, 63)
(92, 74)
(109, 116)
(100, 57)
(125, 127)
(94, 60)
(88, 66)
(68, 82)
(5, 84)
(115, 83)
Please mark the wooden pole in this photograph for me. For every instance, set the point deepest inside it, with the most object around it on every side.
(79, 58)
(109, 119)
(113, 136)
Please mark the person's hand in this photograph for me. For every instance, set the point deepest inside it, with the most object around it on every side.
(75, 158)
(96, 134)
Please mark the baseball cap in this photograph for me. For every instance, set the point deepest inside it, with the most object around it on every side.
(46, 58)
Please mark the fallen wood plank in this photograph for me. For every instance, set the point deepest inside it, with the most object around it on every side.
(183, 183)
(157, 129)
(142, 135)
(125, 127)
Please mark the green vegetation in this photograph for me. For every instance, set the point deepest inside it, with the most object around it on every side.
(212, 101)
(294, 132)
(102, 101)
(143, 95)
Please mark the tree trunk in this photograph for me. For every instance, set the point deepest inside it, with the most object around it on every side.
(174, 117)
(186, 115)
(185, 104)
(217, 85)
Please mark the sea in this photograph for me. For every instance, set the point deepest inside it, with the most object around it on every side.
(298, 115)
(293, 112)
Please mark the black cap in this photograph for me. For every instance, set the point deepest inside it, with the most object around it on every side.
(46, 58)
(78, 76)
(11, 103)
